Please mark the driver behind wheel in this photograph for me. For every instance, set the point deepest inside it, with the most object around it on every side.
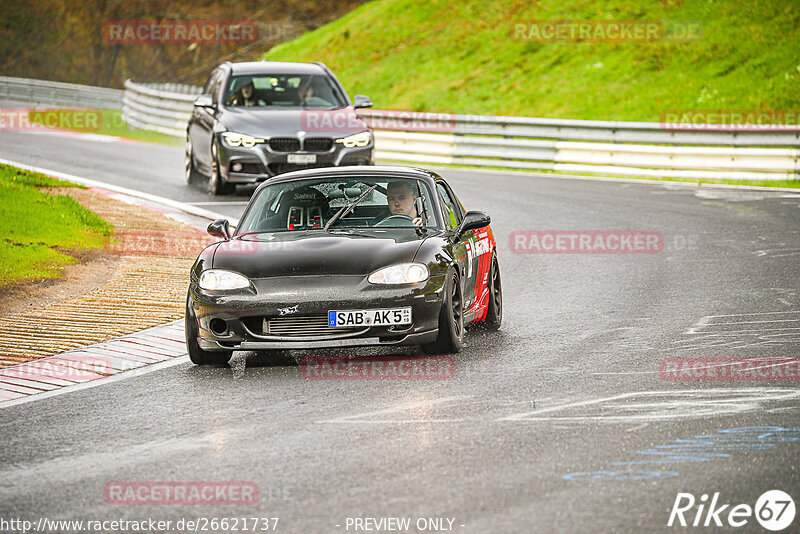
(400, 197)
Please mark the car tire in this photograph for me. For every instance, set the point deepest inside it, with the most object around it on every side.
(494, 315)
(189, 168)
(451, 320)
(196, 354)
(216, 184)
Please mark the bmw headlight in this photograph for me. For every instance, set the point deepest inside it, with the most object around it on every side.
(403, 273)
(359, 139)
(220, 280)
(236, 139)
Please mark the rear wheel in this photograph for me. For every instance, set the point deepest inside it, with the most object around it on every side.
(216, 184)
(451, 320)
(196, 354)
(494, 315)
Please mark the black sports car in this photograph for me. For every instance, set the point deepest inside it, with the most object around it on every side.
(258, 119)
(345, 257)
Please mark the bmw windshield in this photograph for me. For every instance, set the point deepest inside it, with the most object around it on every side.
(301, 91)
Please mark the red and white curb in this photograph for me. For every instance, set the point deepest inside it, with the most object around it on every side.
(110, 361)
(123, 357)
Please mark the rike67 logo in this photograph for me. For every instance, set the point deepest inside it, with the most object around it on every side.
(774, 510)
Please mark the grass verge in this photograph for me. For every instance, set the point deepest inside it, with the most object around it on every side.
(42, 232)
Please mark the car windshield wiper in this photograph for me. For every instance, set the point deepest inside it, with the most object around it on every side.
(344, 210)
(351, 231)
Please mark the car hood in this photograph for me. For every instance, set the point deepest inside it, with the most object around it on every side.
(316, 253)
(268, 123)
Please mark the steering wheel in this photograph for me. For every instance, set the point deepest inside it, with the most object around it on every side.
(397, 218)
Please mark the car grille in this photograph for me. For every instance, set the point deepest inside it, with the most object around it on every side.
(305, 326)
(284, 144)
(318, 144)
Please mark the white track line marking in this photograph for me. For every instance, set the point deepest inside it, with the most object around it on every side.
(677, 404)
(99, 382)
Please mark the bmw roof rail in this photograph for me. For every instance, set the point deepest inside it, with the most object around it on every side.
(323, 65)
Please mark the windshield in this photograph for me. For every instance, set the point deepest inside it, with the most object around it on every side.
(310, 204)
(282, 91)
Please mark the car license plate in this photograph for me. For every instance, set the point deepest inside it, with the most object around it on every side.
(301, 158)
(387, 317)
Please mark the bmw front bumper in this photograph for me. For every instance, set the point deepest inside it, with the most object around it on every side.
(261, 162)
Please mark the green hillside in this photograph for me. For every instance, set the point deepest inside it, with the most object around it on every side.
(460, 57)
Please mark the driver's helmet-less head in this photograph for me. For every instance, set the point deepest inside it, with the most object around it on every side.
(240, 82)
(305, 207)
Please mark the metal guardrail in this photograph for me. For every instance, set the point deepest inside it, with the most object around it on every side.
(59, 94)
(162, 107)
(560, 145)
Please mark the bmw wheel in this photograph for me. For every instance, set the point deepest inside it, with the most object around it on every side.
(216, 184)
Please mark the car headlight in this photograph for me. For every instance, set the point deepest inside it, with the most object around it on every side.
(236, 139)
(359, 139)
(403, 273)
(219, 280)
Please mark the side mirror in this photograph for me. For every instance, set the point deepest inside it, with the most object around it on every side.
(220, 228)
(472, 221)
(204, 101)
(361, 101)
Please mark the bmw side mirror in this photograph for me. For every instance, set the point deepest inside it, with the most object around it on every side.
(204, 101)
(220, 228)
(361, 101)
(472, 221)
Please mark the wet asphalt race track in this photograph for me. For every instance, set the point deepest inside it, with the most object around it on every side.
(558, 422)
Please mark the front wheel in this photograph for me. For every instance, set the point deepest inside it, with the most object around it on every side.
(196, 354)
(216, 184)
(451, 320)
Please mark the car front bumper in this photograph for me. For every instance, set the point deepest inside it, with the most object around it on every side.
(260, 162)
(303, 300)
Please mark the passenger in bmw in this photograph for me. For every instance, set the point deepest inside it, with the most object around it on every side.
(245, 96)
